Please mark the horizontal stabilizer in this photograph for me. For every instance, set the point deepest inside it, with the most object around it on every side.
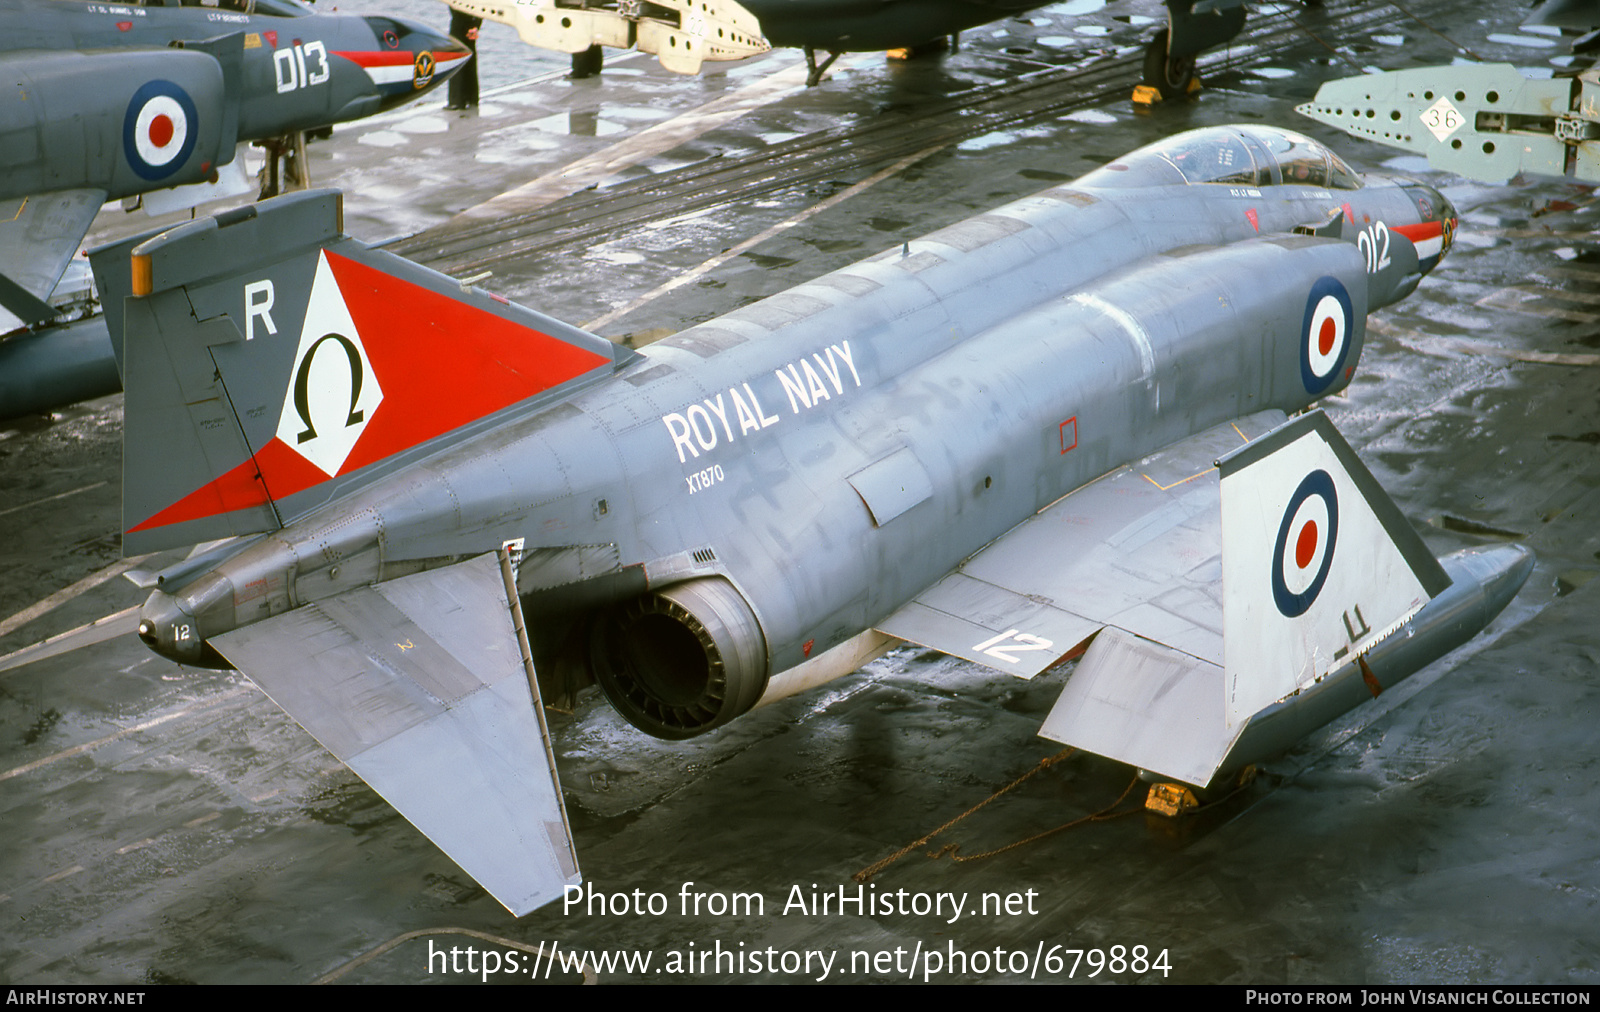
(1209, 581)
(39, 236)
(423, 687)
(1137, 549)
(24, 306)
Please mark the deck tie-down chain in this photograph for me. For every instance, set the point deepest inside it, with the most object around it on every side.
(1109, 812)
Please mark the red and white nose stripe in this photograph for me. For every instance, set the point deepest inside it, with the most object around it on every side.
(160, 127)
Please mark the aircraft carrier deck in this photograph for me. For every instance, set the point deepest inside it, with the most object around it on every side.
(165, 824)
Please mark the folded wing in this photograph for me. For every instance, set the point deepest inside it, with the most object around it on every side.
(1139, 549)
(1201, 585)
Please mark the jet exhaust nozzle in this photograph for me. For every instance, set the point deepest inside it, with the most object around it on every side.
(683, 660)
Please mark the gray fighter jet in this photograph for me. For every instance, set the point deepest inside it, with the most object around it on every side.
(115, 100)
(1069, 427)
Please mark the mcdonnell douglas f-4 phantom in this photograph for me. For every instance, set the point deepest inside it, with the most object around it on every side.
(115, 100)
(1059, 429)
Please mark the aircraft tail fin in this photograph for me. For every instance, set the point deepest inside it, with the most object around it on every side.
(1318, 564)
(273, 364)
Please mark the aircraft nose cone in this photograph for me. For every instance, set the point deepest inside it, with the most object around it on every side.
(1447, 218)
(434, 55)
(413, 36)
(1446, 209)
(1434, 207)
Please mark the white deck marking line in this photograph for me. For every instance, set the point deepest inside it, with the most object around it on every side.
(1430, 344)
(1570, 271)
(1535, 233)
(442, 105)
(1547, 292)
(66, 594)
(1541, 357)
(58, 876)
(1516, 299)
(50, 498)
(733, 251)
(654, 140)
(535, 950)
(145, 726)
(101, 629)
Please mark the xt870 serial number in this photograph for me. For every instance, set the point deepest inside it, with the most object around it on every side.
(1117, 959)
(704, 479)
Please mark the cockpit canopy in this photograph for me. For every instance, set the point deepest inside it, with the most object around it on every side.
(1239, 155)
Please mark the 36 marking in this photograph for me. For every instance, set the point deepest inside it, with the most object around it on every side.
(1442, 119)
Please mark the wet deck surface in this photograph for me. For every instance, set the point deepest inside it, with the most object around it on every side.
(165, 824)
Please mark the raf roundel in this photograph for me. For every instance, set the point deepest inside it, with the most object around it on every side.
(1303, 554)
(1325, 338)
(159, 130)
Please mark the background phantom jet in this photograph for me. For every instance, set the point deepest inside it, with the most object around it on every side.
(997, 440)
(116, 100)
(684, 34)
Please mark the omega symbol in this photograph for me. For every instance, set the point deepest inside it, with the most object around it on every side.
(322, 419)
(302, 382)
